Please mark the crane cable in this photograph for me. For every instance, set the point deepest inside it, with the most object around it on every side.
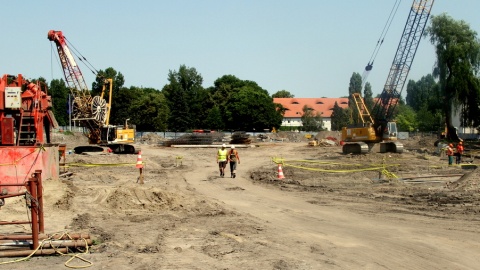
(82, 58)
(380, 40)
(79, 56)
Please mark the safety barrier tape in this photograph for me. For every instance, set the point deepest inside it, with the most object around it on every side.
(99, 164)
(373, 167)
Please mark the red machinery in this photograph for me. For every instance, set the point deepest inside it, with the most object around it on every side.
(25, 113)
(25, 122)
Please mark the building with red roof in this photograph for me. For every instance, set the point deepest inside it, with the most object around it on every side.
(294, 109)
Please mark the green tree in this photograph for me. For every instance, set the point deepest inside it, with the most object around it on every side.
(177, 103)
(339, 118)
(430, 120)
(311, 120)
(355, 86)
(150, 112)
(283, 94)
(251, 108)
(185, 96)
(214, 119)
(426, 99)
(423, 92)
(406, 118)
(458, 59)
(60, 107)
(368, 96)
(244, 105)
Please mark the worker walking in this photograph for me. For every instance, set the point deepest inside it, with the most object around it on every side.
(450, 154)
(222, 160)
(233, 158)
(459, 153)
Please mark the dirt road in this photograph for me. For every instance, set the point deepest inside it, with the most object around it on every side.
(187, 217)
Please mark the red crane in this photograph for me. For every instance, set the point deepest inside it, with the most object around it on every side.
(90, 111)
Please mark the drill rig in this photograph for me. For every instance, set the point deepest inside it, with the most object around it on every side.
(26, 120)
(92, 113)
(25, 112)
(378, 127)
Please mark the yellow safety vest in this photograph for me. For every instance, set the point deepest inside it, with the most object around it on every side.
(222, 155)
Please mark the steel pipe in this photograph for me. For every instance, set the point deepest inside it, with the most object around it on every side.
(12, 195)
(74, 236)
(24, 253)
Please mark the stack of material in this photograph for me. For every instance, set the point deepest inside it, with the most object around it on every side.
(19, 245)
(191, 139)
(240, 137)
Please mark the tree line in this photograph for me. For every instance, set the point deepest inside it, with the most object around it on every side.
(182, 104)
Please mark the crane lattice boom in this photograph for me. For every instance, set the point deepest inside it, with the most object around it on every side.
(407, 48)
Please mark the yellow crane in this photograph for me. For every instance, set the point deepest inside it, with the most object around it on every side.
(377, 126)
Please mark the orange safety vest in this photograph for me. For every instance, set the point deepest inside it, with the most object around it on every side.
(460, 149)
(233, 156)
(449, 151)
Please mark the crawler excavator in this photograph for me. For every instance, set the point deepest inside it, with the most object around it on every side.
(92, 113)
(378, 127)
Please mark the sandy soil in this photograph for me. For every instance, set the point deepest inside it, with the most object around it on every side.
(332, 211)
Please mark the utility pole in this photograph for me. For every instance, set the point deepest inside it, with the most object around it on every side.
(70, 112)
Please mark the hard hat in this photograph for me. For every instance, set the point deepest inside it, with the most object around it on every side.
(460, 142)
(223, 146)
(233, 147)
(451, 145)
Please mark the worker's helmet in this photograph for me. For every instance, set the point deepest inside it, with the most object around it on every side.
(460, 143)
(451, 145)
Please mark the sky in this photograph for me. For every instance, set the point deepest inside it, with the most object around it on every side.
(310, 48)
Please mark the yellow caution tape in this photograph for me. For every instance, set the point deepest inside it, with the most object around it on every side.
(334, 171)
(99, 164)
(372, 167)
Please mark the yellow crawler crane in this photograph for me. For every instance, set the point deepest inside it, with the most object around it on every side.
(378, 126)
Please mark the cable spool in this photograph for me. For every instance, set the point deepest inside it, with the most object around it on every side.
(99, 109)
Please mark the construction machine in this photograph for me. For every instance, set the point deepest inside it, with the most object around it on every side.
(377, 126)
(26, 121)
(25, 112)
(92, 112)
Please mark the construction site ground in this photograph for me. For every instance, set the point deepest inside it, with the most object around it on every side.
(332, 211)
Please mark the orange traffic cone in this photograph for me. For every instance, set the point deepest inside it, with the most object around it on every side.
(280, 172)
(139, 160)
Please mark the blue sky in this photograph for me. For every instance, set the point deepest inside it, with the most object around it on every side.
(308, 47)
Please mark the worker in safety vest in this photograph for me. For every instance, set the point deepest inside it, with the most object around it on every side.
(459, 152)
(222, 159)
(450, 154)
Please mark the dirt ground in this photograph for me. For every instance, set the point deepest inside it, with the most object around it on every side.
(332, 211)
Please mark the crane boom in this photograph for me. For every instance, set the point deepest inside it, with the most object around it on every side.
(72, 72)
(90, 111)
(402, 62)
